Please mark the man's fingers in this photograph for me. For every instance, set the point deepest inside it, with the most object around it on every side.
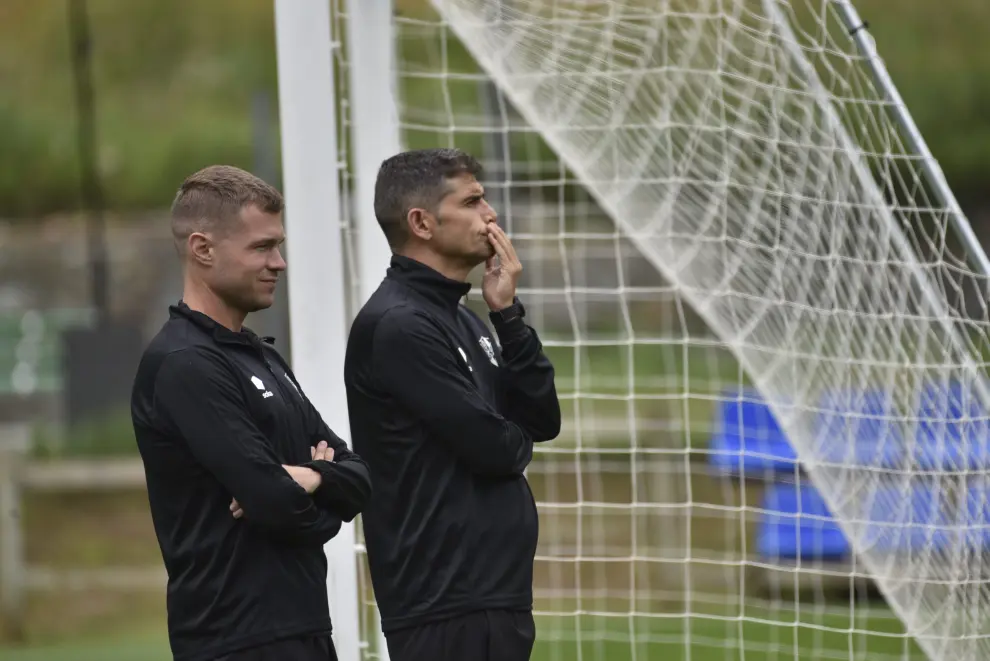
(320, 451)
(496, 241)
(312, 453)
(504, 248)
(510, 250)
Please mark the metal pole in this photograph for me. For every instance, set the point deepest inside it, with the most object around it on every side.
(495, 141)
(375, 130)
(317, 292)
(376, 134)
(13, 446)
(939, 305)
(92, 190)
(864, 41)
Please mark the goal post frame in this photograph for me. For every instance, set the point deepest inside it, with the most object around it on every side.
(375, 135)
(859, 32)
(374, 126)
(317, 292)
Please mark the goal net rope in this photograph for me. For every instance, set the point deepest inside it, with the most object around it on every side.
(717, 211)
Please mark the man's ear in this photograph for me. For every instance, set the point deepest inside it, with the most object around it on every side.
(421, 224)
(199, 247)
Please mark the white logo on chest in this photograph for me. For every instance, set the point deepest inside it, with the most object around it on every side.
(265, 394)
(486, 344)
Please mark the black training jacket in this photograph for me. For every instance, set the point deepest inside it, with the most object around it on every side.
(446, 421)
(216, 413)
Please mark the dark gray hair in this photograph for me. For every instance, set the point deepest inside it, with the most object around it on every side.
(414, 179)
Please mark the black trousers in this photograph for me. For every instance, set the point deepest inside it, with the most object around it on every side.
(308, 648)
(493, 635)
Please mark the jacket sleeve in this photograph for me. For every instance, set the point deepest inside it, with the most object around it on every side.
(345, 488)
(414, 362)
(527, 379)
(197, 393)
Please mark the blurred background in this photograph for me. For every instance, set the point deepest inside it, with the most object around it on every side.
(105, 106)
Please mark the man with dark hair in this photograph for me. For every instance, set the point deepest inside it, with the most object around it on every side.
(446, 419)
(245, 480)
(420, 179)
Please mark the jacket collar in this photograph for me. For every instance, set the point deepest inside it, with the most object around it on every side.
(219, 332)
(429, 283)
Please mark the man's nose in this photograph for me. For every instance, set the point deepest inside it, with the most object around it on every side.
(277, 262)
(491, 216)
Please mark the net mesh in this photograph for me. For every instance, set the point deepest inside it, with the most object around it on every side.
(769, 346)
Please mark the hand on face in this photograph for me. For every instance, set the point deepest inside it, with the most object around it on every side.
(502, 269)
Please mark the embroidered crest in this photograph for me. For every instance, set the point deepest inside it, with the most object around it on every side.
(486, 344)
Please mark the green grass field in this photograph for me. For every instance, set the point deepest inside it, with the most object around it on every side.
(701, 625)
(141, 646)
(767, 635)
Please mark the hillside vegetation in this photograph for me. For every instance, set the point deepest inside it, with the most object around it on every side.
(175, 80)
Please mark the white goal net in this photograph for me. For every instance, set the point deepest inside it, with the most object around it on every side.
(769, 342)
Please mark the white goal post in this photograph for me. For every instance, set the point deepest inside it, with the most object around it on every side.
(766, 308)
(317, 286)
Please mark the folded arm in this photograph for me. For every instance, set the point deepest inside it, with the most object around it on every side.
(345, 488)
(527, 379)
(417, 365)
(197, 392)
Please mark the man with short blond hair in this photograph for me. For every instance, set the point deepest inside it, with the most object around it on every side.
(245, 480)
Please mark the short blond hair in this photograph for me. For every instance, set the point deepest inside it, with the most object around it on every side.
(211, 199)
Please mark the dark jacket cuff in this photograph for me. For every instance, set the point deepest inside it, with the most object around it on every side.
(508, 331)
(509, 323)
(344, 490)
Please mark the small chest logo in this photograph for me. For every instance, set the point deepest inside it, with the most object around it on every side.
(486, 344)
(265, 394)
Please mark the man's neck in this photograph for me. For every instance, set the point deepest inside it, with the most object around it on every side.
(201, 298)
(455, 271)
